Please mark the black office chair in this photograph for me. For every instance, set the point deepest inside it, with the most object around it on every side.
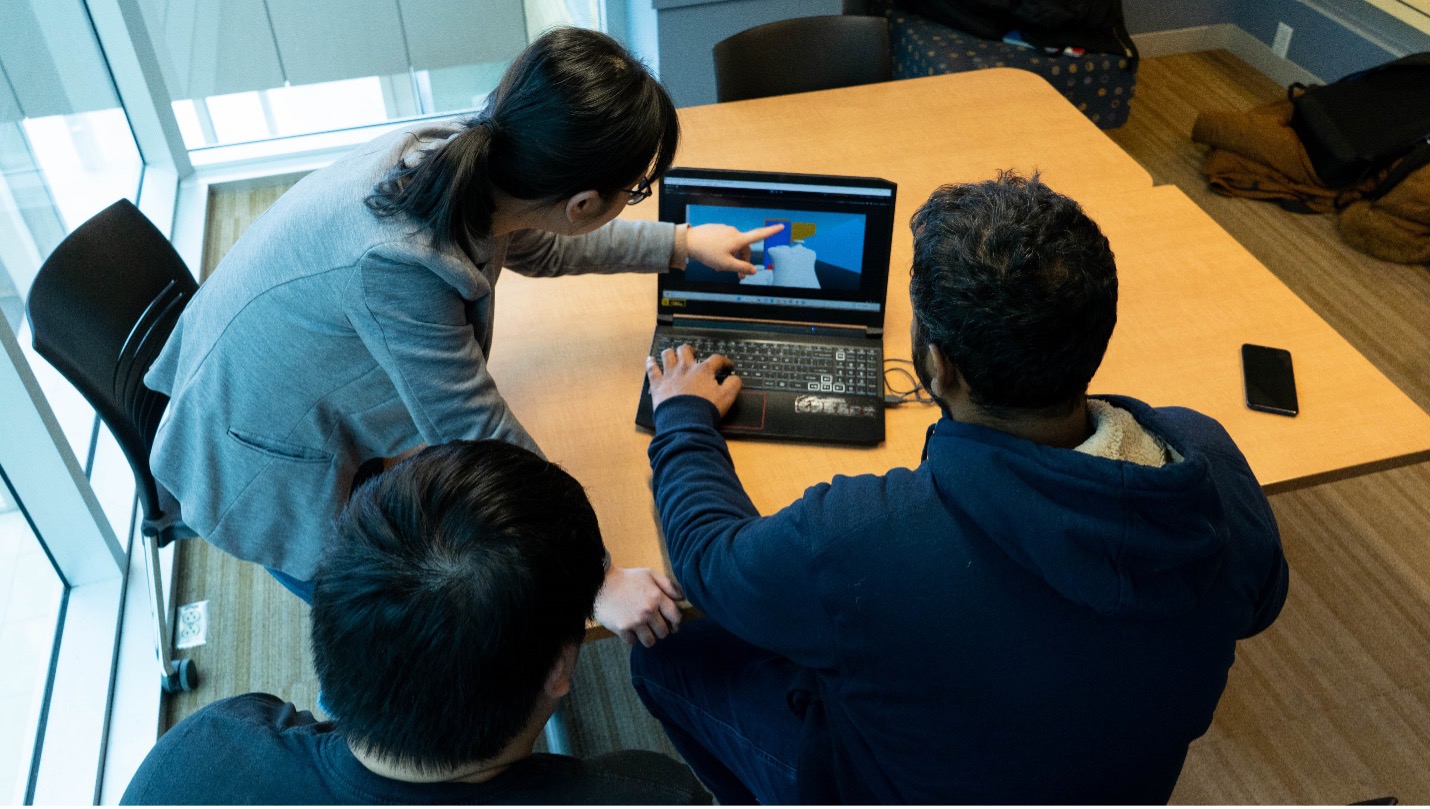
(100, 309)
(800, 55)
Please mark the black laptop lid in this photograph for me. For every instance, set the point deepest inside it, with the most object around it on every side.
(829, 265)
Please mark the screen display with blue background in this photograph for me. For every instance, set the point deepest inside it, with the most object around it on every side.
(829, 253)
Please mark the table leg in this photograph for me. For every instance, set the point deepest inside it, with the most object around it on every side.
(558, 732)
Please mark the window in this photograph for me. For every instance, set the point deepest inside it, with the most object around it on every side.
(66, 152)
(31, 596)
(253, 71)
(66, 494)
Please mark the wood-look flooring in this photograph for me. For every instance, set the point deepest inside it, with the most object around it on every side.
(1329, 706)
(1332, 704)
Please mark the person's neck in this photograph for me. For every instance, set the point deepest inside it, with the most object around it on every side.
(1049, 428)
(504, 222)
(517, 749)
(510, 214)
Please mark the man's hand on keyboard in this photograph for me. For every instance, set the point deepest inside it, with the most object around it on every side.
(683, 376)
(724, 248)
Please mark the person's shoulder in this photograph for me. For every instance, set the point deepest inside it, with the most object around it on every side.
(1183, 428)
(237, 734)
(638, 777)
(231, 714)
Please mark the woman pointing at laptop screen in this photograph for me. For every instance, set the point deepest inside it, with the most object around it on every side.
(351, 322)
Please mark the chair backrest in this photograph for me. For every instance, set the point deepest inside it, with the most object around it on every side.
(100, 309)
(800, 55)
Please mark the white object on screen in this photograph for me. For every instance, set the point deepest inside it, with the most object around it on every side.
(794, 266)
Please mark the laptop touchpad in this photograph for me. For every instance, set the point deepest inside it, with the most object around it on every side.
(748, 412)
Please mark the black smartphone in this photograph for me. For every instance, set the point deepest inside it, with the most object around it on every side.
(1270, 382)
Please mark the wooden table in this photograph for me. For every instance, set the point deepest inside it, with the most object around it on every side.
(569, 353)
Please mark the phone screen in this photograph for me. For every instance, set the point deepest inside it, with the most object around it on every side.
(1270, 382)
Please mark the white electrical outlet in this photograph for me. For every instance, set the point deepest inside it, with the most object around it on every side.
(1282, 43)
(191, 625)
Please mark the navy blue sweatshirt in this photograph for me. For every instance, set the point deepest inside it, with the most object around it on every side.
(1005, 623)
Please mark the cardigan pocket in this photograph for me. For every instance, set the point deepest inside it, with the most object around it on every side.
(281, 450)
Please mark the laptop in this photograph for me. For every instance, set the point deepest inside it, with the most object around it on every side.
(806, 332)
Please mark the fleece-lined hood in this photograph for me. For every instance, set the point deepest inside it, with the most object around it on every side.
(1114, 536)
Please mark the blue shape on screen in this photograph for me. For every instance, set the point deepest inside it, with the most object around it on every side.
(783, 237)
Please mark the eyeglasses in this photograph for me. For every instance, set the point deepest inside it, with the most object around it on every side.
(639, 194)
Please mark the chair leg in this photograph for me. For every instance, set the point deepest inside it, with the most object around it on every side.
(177, 675)
(157, 607)
(558, 733)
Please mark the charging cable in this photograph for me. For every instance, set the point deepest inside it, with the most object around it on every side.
(901, 384)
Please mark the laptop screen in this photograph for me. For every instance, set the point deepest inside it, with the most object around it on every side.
(829, 263)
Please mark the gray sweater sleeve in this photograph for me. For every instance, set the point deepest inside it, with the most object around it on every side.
(618, 246)
(416, 327)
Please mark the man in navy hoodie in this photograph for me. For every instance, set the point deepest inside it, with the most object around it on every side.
(1043, 610)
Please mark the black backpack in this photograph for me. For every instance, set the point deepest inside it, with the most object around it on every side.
(1361, 124)
(1093, 25)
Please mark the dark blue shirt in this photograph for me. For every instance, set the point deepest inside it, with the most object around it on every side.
(258, 750)
(1004, 623)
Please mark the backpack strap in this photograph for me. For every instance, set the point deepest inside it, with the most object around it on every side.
(1414, 160)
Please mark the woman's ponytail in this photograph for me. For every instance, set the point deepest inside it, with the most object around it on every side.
(574, 112)
(447, 191)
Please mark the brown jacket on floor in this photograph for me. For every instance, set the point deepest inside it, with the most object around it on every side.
(1256, 154)
(1395, 227)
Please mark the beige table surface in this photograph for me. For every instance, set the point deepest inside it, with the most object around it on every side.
(569, 353)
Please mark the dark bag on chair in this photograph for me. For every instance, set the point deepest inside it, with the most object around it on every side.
(1093, 25)
(1364, 122)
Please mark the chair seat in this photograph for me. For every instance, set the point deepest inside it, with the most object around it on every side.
(1100, 85)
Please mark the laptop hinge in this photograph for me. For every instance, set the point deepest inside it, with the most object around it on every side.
(666, 319)
(873, 331)
(776, 326)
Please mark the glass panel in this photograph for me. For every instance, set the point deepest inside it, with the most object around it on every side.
(30, 596)
(66, 152)
(254, 70)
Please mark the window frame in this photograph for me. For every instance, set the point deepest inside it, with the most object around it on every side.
(49, 482)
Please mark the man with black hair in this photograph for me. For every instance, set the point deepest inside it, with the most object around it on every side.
(1043, 610)
(445, 633)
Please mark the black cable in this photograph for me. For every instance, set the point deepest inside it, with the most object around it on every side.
(902, 384)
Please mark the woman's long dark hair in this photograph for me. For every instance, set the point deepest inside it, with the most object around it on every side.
(574, 112)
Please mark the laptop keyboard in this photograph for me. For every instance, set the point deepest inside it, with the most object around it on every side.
(772, 365)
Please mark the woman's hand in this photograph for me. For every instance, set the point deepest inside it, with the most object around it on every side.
(724, 248)
(638, 604)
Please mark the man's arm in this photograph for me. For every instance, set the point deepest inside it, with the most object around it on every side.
(1273, 597)
(1272, 593)
(752, 575)
(1257, 538)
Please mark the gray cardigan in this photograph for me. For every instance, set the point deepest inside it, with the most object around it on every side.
(328, 336)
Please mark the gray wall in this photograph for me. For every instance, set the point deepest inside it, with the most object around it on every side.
(1332, 37)
(1146, 16)
(687, 30)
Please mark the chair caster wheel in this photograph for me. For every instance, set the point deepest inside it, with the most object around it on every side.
(185, 677)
